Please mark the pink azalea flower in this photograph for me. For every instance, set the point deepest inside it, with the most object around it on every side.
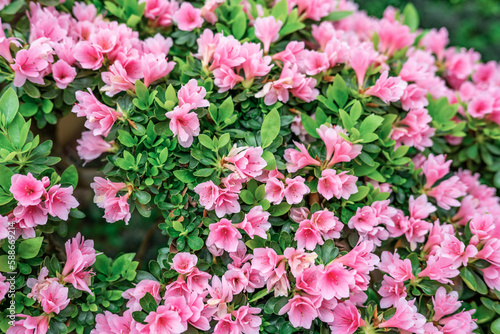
(275, 190)
(447, 192)
(197, 280)
(481, 106)
(439, 269)
(4, 287)
(108, 322)
(391, 291)
(60, 201)
(188, 17)
(184, 124)
(26, 189)
(226, 325)
(124, 72)
(414, 97)
(256, 64)
(491, 276)
(221, 293)
(436, 41)
(335, 281)
(301, 311)
(245, 161)
(207, 43)
(364, 220)
(267, 30)
(336, 185)
(54, 298)
(29, 324)
(184, 263)
(445, 304)
(154, 67)
(414, 130)
(100, 118)
(279, 89)
(209, 193)
(227, 202)
(346, 319)
(135, 294)
(295, 190)
(326, 222)
(91, 147)
(30, 216)
(63, 74)
(307, 236)
(394, 36)
(208, 10)
(255, 223)
(406, 317)
(292, 53)
(89, 55)
(247, 320)
(193, 94)
(420, 208)
(116, 209)
(297, 160)
(104, 189)
(224, 235)
(387, 89)
(32, 64)
(5, 42)
(80, 256)
(360, 59)
(337, 148)
(163, 320)
(316, 62)
(226, 78)
(299, 260)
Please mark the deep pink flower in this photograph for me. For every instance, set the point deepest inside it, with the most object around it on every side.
(307, 236)
(163, 320)
(224, 235)
(336, 185)
(184, 124)
(275, 190)
(406, 317)
(89, 55)
(80, 255)
(124, 72)
(295, 190)
(335, 281)
(60, 201)
(267, 30)
(63, 73)
(301, 311)
(188, 17)
(480, 106)
(26, 189)
(388, 89)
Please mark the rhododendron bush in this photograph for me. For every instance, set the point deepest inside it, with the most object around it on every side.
(309, 169)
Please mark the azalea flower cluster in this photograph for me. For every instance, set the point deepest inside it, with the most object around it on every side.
(36, 201)
(304, 169)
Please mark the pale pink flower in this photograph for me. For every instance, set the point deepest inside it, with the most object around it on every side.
(316, 62)
(335, 281)
(307, 236)
(184, 263)
(104, 189)
(435, 168)
(88, 55)
(482, 226)
(224, 235)
(447, 192)
(275, 190)
(184, 124)
(226, 325)
(207, 43)
(208, 10)
(154, 67)
(91, 147)
(304, 89)
(60, 201)
(193, 95)
(440, 269)
(80, 255)
(292, 53)
(30, 216)
(414, 130)
(391, 291)
(116, 209)
(295, 190)
(480, 106)
(326, 222)
(491, 276)
(299, 159)
(256, 64)
(246, 161)
(123, 74)
(445, 304)
(30, 325)
(265, 260)
(247, 320)
(490, 251)
(54, 298)
(108, 322)
(336, 185)
(388, 89)
(84, 12)
(436, 41)
(221, 293)
(32, 64)
(406, 317)
(188, 17)
(414, 97)
(26, 189)
(420, 208)
(209, 193)
(163, 320)
(279, 89)
(157, 44)
(360, 59)
(364, 220)
(255, 223)
(135, 294)
(227, 202)
(301, 311)
(197, 280)
(347, 319)
(394, 36)
(337, 148)
(4, 287)
(225, 78)
(100, 118)
(299, 260)
(267, 30)
(5, 42)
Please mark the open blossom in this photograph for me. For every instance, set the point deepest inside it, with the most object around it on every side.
(63, 73)
(275, 190)
(256, 222)
(4, 287)
(54, 298)
(26, 189)
(193, 95)
(299, 159)
(154, 67)
(337, 148)
(163, 320)
(81, 255)
(347, 319)
(91, 147)
(336, 185)
(267, 30)
(295, 190)
(434, 168)
(60, 201)
(116, 209)
(29, 324)
(406, 317)
(184, 263)
(184, 124)
(394, 36)
(31, 64)
(335, 281)
(224, 235)
(135, 294)
(188, 17)
(301, 311)
(209, 193)
(100, 118)
(104, 190)
(391, 291)
(414, 130)
(445, 304)
(388, 89)
(246, 161)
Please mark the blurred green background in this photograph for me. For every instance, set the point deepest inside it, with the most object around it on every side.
(470, 23)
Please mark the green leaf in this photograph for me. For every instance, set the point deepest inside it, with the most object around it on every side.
(309, 124)
(148, 303)
(142, 196)
(338, 15)
(247, 197)
(270, 160)
(195, 242)
(293, 23)
(29, 248)
(362, 192)
(280, 209)
(9, 105)
(468, 278)
(226, 110)
(340, 91)
(270, 128)
(184, 175)
(356, 111)
(280, 10)
(329, 251)
(239, 25)
(5, 177)
(223, 140)
(411, 18)
(28, 109)
(346, 119)
(495, 326)
(70, 176)
(370, 124)
(126, 138)
(206, 141)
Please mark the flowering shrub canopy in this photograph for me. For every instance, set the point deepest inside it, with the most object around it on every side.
(312, 169)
